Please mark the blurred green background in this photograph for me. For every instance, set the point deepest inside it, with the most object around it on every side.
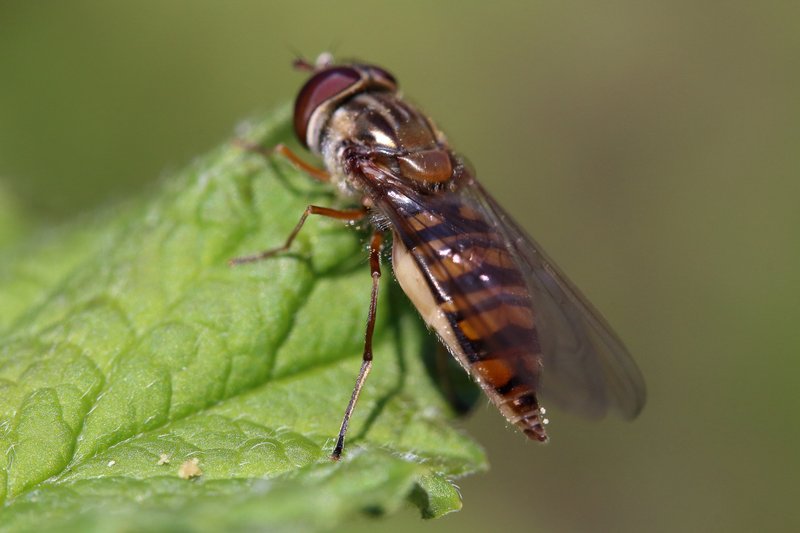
(653, 148)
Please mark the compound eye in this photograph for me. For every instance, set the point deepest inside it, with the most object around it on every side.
(382, 75)
(319, 89)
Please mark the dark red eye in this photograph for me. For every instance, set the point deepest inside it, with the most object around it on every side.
(382, 75)
(321, 87)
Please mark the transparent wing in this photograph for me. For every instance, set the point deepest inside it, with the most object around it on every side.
(586, 367)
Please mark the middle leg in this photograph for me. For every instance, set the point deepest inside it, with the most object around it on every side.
(339, 214)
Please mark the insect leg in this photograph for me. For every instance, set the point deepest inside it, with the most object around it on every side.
(343, 214)
(366, 362)
(280, 148)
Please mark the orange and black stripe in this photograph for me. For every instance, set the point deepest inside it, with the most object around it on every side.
(481, 290)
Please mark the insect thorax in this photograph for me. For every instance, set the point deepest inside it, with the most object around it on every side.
(390, 134)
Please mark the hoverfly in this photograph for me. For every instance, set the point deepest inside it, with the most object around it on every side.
(500, 306)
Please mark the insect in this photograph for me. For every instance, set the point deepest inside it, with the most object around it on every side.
(500, 306)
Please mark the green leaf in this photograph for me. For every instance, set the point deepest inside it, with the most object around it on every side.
(130, 350)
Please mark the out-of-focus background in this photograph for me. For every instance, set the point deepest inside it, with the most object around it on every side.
(653, 148)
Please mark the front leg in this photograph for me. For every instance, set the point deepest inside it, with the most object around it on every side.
(281, 149)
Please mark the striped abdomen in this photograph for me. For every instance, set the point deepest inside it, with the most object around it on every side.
(460, 275)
